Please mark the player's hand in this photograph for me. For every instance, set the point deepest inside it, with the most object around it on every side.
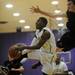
(20, 46)
(26, 51)
(35, 9)
(59, 49)
(13, 69)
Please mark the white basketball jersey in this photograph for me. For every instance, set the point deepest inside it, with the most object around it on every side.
(46, 52)
(50, 44)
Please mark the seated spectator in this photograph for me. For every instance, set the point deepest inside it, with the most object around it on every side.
(59, 67)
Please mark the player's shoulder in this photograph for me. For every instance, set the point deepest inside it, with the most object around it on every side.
(46, 30)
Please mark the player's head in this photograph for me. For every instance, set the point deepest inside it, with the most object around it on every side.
(41, 23)
(71, 5)
(73, 1)
(58, 57)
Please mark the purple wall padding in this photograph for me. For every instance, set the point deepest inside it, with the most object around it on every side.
(8, 39)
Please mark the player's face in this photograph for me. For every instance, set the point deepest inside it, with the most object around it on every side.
(39, 24)
(58, 59)
(70, 5)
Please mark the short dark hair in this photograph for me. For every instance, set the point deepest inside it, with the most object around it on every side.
(44, 20)
(72, 1)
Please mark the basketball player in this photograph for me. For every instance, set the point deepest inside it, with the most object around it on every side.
(43, 46)
(13, 64)
(66, 42)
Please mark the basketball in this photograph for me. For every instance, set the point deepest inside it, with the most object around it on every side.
(15, 50)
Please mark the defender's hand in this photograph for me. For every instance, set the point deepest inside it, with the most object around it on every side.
(35, 9)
